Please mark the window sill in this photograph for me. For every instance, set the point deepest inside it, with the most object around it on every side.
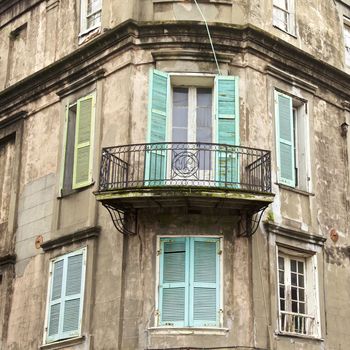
(62, 343)
(284, 31)
(227, 2)
(188, 330)
(301, 336)
(67, 193)
(296, 190)
(89, 34)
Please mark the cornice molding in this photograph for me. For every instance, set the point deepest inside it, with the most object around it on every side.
(166, 40)
(75, 237)
(299, 235)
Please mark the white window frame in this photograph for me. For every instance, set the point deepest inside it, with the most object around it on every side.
(221, 279)
(84, 18)
(49, 287)
(311, 318)
(290, 13)
(346, 32)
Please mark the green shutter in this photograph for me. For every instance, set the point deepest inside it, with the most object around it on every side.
(227, 116)
(54, 314)
(285, 139)
(82, 173)
(204, 282)
(66, 296)
(173, 287)
(157, 128)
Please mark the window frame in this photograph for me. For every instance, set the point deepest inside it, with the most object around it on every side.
(84, 18)
(311, 288)
(220, 279)
(300, 142)
(346, 34)
(52, 261)
(291, 17)
(75, 103)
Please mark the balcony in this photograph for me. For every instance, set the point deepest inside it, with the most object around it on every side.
(185, 174)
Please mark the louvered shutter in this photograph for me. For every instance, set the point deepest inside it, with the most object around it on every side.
(54, 314)
(157, 116)
(227, 116)
(173, 287)
(66, 296)
(285, 139)
(73, 296)
(82, 174)
(204, 282)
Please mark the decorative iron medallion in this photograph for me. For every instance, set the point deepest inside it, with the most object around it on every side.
(185, 164)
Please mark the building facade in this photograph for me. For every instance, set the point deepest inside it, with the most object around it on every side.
(174, 174)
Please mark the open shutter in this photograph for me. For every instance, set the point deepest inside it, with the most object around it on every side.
(73, 295)
(55, 301)
(173, 287)
(227, 116)
(82, 174)
(157, 125)
(204, 282)
(285, 139)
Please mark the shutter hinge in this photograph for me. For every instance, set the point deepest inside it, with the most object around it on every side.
(157, 313)
(219, 252)
(158, 252)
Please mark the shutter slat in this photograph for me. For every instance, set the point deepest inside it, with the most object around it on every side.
(54, 319)
(71, 316)
(173, 282)
(74, 274)
(205, 282)
(228, 130)
(83, 142)
(285, 140)
(158, 116)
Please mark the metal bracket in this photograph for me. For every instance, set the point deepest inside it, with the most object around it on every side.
(251, 224)
(122, 219)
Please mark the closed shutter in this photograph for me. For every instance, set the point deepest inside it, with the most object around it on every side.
(173, 288)
(227, 114)
(55, 301)
(66, 296)
(73, 297)
(82, 174)
(204, 282)
(285, 139)
(158, 116)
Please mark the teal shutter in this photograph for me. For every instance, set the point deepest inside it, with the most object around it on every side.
(285, 139)
(157, 128)
(73, 296)
(204, 282)
(54, 314)
(173, 287)
(66, 296)
(227, 116)
(82, 172)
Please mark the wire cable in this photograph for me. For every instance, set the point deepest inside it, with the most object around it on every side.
(210, 39)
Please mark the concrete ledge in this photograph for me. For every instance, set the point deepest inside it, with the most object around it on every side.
(77, 236)
(62, 344)
(188, 330)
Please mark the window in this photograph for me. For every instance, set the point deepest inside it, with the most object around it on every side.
(65, 296)
(292, 141)
(189, 282)
(284, 16)
(297, 293)
(347, 40)
(79, 131)
(90, 14)
(188, 110)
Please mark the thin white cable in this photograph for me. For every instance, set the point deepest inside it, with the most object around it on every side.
(211, 41)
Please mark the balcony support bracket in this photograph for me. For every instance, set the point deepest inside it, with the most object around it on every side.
(250, 222)
(123, 219)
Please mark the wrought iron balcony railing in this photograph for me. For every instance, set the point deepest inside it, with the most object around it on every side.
(185, 164)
